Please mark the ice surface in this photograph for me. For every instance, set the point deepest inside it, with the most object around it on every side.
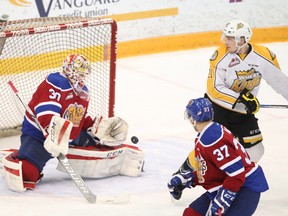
(152, 92)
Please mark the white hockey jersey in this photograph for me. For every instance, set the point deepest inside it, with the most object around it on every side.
(230, 73)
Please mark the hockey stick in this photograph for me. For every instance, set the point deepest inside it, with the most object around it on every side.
(62, 158)
(277, 106)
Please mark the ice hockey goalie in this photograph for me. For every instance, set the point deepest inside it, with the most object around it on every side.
(109, 156)
(56, 123)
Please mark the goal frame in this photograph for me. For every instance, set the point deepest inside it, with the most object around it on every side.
(73, 22)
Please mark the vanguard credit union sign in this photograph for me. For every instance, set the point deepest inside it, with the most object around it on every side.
(62, 7)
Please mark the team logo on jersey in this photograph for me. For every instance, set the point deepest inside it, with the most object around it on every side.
(69, 96)
(234, 61)
(214, 56)
(246, 79)
(74, 113)
(201, 168)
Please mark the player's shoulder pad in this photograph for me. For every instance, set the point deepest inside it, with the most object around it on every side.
(266, 54)
(212, 134)
(218, 53)
(264, 51)
(58, 81)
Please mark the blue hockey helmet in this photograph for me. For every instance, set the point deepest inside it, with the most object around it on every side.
(200, 110)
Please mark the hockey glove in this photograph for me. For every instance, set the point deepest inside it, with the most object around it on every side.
(112, 131)
(249, 100)
(56, 142)
(222, 201)
(179, 182)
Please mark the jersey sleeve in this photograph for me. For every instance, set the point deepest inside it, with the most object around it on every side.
(272, 74)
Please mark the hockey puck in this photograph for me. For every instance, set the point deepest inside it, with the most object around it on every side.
(134, 139)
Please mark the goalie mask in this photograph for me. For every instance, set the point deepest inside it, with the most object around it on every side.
(199, 110)
(76, 67)
(237, 29)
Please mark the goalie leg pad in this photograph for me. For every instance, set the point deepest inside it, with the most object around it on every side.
(94, 163)
(12, 172)
(132, 163)
(19, 174)
(100, 162)
(3, 154)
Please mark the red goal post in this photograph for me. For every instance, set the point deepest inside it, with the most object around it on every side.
(32, 48)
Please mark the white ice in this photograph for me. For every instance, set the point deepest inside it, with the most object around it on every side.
(152, 92)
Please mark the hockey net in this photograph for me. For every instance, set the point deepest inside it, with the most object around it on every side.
(31, 49)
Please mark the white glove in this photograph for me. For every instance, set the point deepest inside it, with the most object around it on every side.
(112, 131)
(58, 136)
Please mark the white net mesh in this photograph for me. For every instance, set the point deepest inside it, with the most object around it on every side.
(32, 48)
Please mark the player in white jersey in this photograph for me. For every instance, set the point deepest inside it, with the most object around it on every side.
(235, 74)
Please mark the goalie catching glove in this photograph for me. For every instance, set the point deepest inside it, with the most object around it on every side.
(110, 131)
(249, 100)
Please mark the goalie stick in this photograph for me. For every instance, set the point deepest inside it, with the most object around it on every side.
(76, 178)
(277, 106)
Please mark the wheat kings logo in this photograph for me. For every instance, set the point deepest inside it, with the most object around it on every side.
(246, 79)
